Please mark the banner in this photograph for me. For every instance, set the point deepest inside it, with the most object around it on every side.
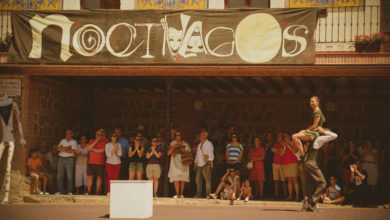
(246, 36)
(324, 3)
(171, 4)
(30, 4)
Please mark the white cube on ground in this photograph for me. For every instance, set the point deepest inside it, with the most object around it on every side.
(131, 199)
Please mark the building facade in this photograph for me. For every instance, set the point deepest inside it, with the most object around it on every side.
(354, 87)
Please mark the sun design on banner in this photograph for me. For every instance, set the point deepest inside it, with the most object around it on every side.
(323, 3)
(171, 4)
(30, 4)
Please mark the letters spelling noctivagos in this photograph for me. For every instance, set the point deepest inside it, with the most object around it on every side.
(237, 36)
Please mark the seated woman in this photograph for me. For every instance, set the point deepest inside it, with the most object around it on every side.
(332, 194)
(232, 177)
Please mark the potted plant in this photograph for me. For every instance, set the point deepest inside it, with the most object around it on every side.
(4, 47)
(376, 41)
(361, 43)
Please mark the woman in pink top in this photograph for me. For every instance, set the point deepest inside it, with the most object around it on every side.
(256, 175)
(290, 166)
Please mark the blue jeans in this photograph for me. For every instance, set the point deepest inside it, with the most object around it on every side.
(65, 165)
(203, 174)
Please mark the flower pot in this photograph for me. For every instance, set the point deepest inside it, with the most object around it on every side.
(374, 46)
(361, 46)
(3, 57)
(385, 46)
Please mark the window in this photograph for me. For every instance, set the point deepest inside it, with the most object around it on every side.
(100, 4)
(247, 3)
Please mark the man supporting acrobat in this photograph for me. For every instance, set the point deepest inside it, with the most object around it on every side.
(315, 183)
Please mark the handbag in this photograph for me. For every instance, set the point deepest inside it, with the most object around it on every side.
(249, 165)
(187, 158)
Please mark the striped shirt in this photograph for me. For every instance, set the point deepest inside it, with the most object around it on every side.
(234, 151)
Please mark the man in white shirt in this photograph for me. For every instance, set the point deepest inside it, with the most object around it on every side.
(203, 163)
(66, 149)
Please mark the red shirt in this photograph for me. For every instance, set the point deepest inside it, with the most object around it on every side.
(289, 157)
(95, 157)
(277, 158)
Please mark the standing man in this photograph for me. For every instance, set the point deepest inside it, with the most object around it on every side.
(315, 183)
(97, 161)
(124, 171)
(203, 164)
(66, 149)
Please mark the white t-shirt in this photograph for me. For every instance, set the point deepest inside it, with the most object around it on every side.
(65, 143)
(83, 159)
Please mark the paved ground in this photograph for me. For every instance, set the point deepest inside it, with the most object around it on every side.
(190, 212)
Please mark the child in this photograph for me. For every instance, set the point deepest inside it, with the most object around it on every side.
(228, 192)
(81, 166)
(246, 191)
(34, 169)
(332, 194)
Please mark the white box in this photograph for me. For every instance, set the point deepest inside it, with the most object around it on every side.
(131, 199)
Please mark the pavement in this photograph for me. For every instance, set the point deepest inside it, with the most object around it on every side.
(74, 211)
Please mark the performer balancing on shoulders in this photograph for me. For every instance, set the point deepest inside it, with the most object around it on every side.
(312, 132)
(310, 167)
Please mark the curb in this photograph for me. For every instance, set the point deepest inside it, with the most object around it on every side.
(104, 200)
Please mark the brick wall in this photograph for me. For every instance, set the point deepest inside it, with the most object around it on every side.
(49, 108)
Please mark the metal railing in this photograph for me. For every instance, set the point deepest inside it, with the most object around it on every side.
(5, 24)
(344, 23)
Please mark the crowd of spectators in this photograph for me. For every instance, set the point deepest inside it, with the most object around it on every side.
(267, 167)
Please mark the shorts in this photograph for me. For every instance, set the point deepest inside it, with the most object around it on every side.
(95, 170)
(236, 166)
(290, 170)
(278, 172)
(35, 173)
(153, 171)
(137, 167)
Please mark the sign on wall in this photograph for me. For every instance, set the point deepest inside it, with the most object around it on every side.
(10, 87)
(323, 3)
(30, 4)
(171, 4)
(261, 36)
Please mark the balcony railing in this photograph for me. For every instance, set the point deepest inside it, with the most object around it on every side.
(344, 23)
(5, 24)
